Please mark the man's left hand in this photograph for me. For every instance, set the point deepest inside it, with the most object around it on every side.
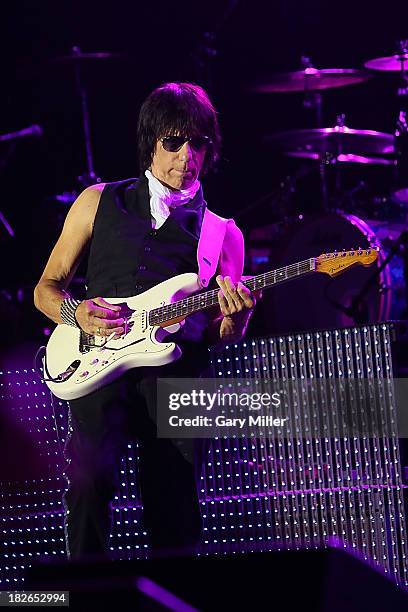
(236, 303)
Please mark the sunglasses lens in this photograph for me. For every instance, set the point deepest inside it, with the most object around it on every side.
(173, 143)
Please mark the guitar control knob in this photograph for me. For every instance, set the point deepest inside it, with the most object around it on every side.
(84, 374)
(94, 361)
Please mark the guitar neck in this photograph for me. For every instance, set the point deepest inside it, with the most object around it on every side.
(201, 301)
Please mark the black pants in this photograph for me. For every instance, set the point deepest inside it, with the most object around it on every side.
(101, 426)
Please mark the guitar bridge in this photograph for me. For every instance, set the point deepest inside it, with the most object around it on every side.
(87, 342)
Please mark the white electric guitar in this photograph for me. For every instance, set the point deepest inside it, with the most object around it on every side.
(76, 363)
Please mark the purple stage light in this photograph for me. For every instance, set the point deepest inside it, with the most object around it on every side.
(162, 596)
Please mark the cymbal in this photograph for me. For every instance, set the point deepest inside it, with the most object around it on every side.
(390, 63)
(312, 79)
(344, 158)
(336, 140)
(86, 57)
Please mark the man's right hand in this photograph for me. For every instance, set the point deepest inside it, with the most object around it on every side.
(99, 318)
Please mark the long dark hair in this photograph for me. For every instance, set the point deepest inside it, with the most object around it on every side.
(184, 108)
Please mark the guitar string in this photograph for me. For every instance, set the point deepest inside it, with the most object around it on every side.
(210, 298)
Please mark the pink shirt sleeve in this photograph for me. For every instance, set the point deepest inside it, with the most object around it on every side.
(233, 253)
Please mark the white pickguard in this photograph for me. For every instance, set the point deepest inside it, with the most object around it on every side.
(141, 346)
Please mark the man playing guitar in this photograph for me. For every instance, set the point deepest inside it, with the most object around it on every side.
(136, 234)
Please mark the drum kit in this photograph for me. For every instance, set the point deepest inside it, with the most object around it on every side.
(341, 221)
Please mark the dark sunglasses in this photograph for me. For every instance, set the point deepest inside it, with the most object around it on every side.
(174, 143)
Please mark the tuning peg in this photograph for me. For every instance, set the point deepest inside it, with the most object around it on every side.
(343, 254)
(335, 253)
(360, 251)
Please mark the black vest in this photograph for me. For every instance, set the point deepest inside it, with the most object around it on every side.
(127, 256)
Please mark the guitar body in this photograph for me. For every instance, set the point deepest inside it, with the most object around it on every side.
(76, 364)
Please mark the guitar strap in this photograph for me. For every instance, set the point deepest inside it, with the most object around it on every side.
(209, 248)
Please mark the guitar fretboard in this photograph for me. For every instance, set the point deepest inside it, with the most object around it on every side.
(201, 301)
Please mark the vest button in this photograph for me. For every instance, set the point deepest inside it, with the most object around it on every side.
(138, 287)
(147, 249)
(153, 232)
(142, 267)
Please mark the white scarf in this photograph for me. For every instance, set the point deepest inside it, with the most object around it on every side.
(162, 198)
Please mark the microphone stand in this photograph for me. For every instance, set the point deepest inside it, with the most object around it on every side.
(313, 101)
(89, 177)
(401, 129)
(206, 51)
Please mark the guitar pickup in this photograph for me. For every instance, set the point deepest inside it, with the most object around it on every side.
(128, 324)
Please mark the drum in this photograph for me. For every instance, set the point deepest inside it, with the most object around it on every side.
(358, 296)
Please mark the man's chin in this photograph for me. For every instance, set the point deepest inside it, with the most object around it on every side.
(182, 181)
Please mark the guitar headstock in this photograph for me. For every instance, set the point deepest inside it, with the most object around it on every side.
(336, 263)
